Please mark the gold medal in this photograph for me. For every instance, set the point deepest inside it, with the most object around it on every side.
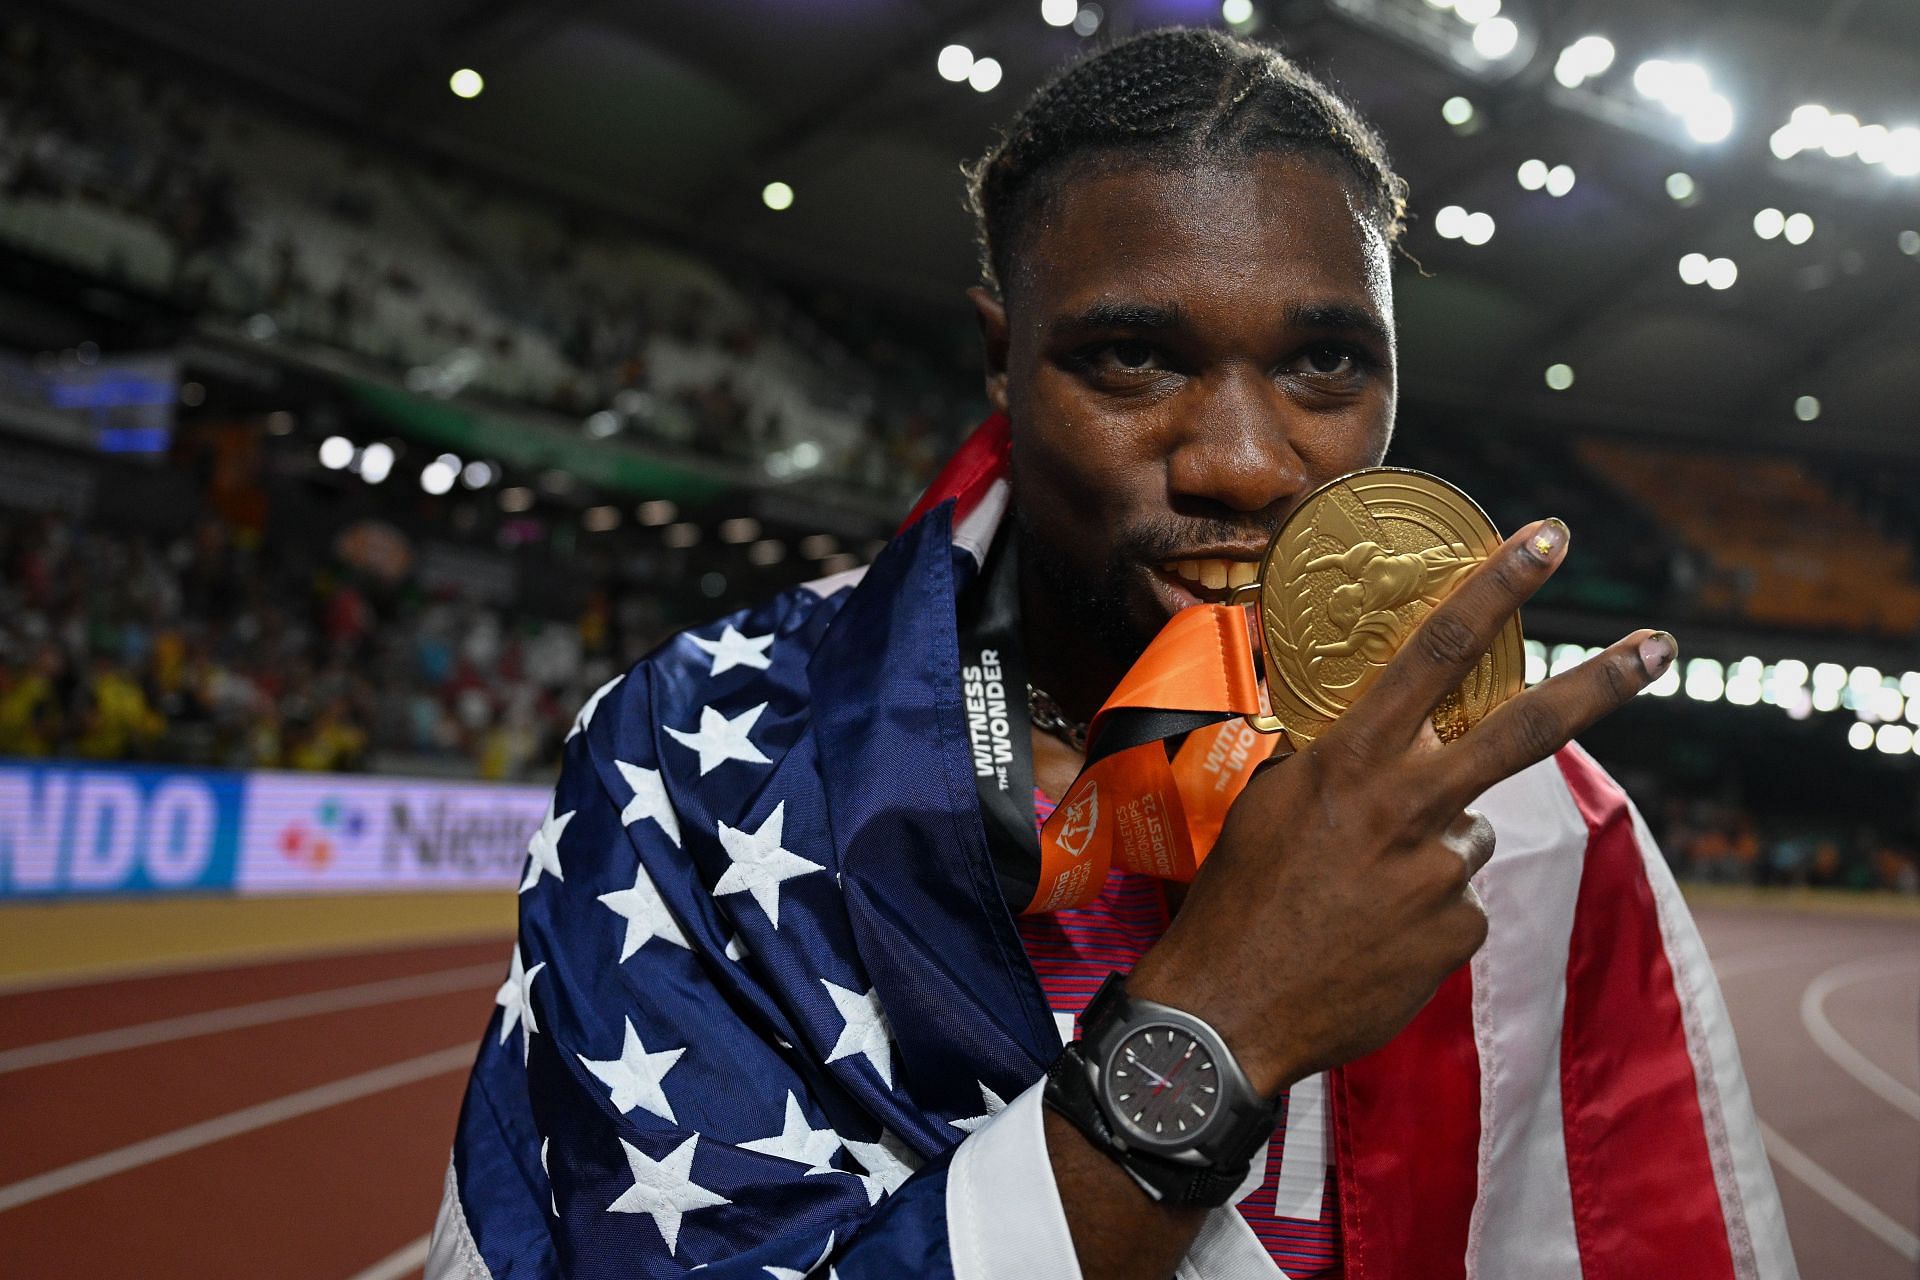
(1348, 578)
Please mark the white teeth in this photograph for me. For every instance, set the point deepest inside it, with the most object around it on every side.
(1213, 573)
(1216, 574)
(1242, 573)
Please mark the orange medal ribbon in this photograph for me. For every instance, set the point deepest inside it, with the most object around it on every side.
(1135, 807)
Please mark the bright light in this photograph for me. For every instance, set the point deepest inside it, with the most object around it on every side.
(1768, 223)
(1667, 685)
(955, 63)
(777, 196)
(1886, 703)
(1870, 144)
(1693, 268)
(1784, 142)
(466, 83)
(1059, 13)
(1087, 21)
(1903, 152)
(335, 452)
(477, 475)
(1456, 111)
(1744, 682)
(1909, 242)
(1237, 11)
(739, 529)
(1859, 735)
(1910, 687)
(1841, 136)
(603, 424)
(1533, 174)
(1705, 680)
(1651, 77)
(1564, 658)
(1829, 675)
(1790, 673)
(1559, 180)
(1798, 229)
(1894, 739)
(1595, 53)
(768, 551)
(1442, 5)
(1495, 38)
(1559, 376)
(1536, 662)
(1476, 11)
(376, 460)
(984, 75)
(437, 477)
(1451, 222)
(1721, 273)
(1863, 679)
(600, 519)
(1806, 408)
(1680, 186)
(657, 512)
(1479, 228)
(1710, 119)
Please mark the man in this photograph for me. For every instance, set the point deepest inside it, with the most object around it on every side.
(770, 1012)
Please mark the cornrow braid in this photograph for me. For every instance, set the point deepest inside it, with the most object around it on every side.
(1185, 95)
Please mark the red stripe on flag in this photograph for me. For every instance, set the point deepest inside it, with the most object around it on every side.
(970, 472)
(1406, 1127)
(1644, 1198)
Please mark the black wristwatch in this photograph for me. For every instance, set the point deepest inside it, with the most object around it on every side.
(1158, 1090)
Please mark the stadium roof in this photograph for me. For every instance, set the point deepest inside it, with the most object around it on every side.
(676, 113)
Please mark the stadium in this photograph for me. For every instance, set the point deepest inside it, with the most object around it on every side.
(380, 384)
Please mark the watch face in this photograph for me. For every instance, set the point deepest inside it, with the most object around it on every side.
(1162, 1086)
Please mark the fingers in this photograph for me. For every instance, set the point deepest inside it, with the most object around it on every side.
(1540, 721)
(1451, 638)
(1471, 836)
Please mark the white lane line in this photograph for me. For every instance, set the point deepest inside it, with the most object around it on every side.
(259, 1116)
(398, 1263)
(1839, 1195)
(1813, 1016)
(259, 1013)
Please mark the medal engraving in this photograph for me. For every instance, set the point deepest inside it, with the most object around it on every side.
(1350, 575)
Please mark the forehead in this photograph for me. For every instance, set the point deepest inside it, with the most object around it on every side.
(1272, 227)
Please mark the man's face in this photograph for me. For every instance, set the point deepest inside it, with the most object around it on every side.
(1184, 355)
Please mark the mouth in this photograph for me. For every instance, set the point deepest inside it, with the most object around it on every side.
(1204, 580)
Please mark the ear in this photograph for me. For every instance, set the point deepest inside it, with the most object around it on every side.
(992, 315)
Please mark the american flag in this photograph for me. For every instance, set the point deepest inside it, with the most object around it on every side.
(767, 1014)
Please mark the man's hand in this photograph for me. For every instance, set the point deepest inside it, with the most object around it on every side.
(1339, 894)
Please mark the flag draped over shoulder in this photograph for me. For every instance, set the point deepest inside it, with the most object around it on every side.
(767, 1013)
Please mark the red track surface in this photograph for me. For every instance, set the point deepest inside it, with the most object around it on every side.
(329, 1194)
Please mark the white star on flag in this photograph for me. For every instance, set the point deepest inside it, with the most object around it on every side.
(735, 650)
(760, 863)
(889, 1162)
(992, 1103)
(649, 799)
(866, 1032)
(646, 915)
(633, 1078)
(516, 997)
(799, 1141)
(664, 1190)
(720, 739)
(543, 851)
(788, 1273)
(591, 705)
(551, 1202)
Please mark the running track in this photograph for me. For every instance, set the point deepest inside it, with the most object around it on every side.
(291, 1118)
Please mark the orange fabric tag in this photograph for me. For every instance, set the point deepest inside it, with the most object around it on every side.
(1136, 809)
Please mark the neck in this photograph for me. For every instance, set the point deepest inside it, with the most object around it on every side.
(1062, 657)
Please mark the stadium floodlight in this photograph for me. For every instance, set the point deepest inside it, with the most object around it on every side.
(1860, 735)
(1721, 273)
(1479, 227)
(806, 455)
(1559, 180)
(466, 83)
(1705, 680)
(1768, 223)
(1798, 228)
(437, 477)
(376, 461)
(1667, 685)
(336, 452)
(1693, 268)
(1059, 13)
(1476, 12)
(1559, 376)
(1456, 111)
(1710, 119)
(984, 75)
(1496, 38)
(477, 475)
(1237, 12)
(1533, 174)
(1903, 151)
(777, 196)
(1784, 142)
(1088, 20)
(1909, 242)
(1806, 408)
(1450, 222)
(1841, 136)
(1680, 186)
(603, 424)
(1593, 53)
(1894, 739)
(1870, 144)
(1536, 662)
(1886, 702)
(955, 63)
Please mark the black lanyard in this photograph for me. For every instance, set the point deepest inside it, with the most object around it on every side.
(993, 689)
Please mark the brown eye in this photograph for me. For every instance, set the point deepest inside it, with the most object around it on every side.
(1131, 355)
(1331, 360)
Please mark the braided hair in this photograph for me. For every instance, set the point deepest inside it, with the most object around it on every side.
(1182, 95)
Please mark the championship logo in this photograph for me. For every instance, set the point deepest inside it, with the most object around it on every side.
(1082, 816)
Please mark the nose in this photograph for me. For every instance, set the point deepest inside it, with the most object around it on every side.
(1235, 450)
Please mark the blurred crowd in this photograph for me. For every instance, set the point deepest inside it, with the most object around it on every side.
(214, 649)
(1721, 842)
